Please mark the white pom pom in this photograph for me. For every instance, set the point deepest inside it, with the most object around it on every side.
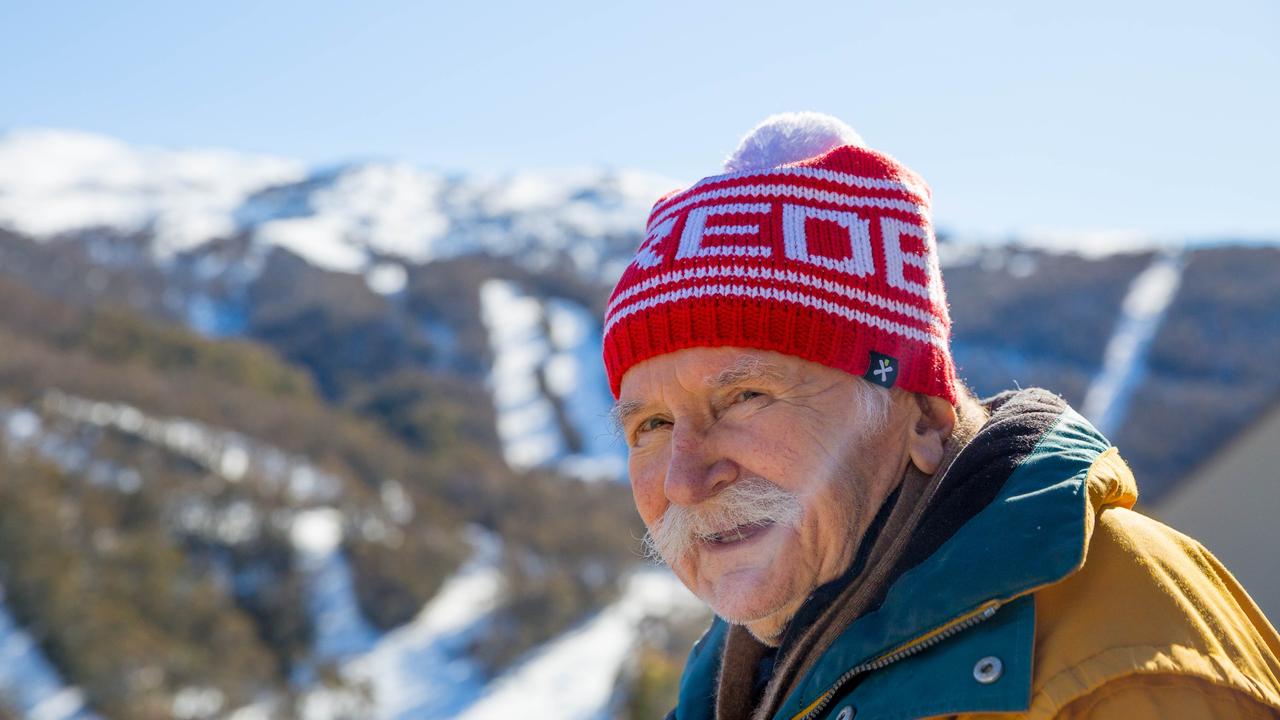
(787, 138)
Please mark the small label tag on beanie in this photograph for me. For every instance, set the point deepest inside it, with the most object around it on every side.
(883, 370)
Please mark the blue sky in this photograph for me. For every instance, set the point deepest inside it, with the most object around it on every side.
(1158, 117)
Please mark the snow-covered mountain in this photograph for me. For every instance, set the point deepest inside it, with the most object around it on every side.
(54, 182)
(381, 447)
(356, 218)
(376, 220)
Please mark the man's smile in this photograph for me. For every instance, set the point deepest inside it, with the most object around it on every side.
(737, 536)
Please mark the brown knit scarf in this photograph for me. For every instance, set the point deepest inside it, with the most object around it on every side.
(742, 652)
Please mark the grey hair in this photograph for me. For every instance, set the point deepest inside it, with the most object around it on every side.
(872, 402)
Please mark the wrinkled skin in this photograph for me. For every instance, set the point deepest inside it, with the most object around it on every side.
(699, 419)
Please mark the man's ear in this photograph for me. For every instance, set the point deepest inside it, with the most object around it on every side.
(932, 427)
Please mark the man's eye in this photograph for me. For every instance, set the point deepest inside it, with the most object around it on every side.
(746, 395)
(652, 423)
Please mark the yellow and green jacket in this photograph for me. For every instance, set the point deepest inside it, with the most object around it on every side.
(1052, 599)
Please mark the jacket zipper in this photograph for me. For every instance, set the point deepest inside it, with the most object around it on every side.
(927, 641)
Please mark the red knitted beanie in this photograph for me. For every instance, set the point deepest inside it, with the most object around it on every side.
(830, 258)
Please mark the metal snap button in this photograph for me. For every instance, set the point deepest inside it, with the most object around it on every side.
(845, 713)
(988, 670)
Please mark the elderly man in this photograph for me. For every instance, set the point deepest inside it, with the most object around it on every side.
(873, 540)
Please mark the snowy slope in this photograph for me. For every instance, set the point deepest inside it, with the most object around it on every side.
(346, 219)
(573, 676)
(575, 374)
(54, 181)
(547, 351)
(421, 671)
(341, 631)
(1107, 401)
(526, 418)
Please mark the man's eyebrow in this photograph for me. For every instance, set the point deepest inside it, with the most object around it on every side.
(622, 411)
(744, 369)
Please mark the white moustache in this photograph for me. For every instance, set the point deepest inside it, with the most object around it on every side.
(750, 501)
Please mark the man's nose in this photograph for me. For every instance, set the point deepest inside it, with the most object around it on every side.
(697, 469)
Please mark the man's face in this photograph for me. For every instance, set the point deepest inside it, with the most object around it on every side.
(702, 420)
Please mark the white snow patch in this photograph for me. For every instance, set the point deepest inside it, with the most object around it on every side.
(526, 419)
(396, 501)
(558, 341)
(30, 681)
(231, 455)
(321, 240)
(54, 181)
(1106, 402)
(22, 426)
(386, 278)
(572, 677)
(524, 192)
(341, 631)
(393, 209)
(575, 372)
(317, 532)
(197, 703)
(25, 432)
(421, 671)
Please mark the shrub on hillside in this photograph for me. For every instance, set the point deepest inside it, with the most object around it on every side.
(95, 576)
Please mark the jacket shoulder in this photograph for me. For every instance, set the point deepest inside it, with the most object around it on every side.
(1136, 697)
(1148, 601)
